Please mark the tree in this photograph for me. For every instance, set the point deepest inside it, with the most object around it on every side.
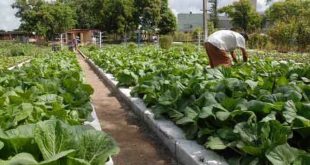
(167, 23)
(243, 15)
(87, 12)
(214, 12)
(117, 16)
(290, 23)
(147, 13)
(44, 18)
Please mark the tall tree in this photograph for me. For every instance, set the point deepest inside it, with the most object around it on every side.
(214, 12)
(167, 23)
(290, 23)
(147, 13)
(243, 15)
(117, 16)
(87, 12)
(44, 18)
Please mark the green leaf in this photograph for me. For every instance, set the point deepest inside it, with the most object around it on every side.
(252, 84)
(76, 161)
(270, 117)
(189, 116)
(255, 151)
(290, 111)
(185, 120)
(1, 145)
(18, 140)
(282, 81)
(58, 158)
(95, 146)
(20, 159)
(26, 111)
(215, 73)
(222, 115)
(53, 138)
(282, 155)
(206, 112)
(303, 159)
(259, 106)
(247, 132)
(215, 143)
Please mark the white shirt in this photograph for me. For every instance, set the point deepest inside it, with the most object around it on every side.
(226, 40)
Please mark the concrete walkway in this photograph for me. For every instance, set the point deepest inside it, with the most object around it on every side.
(137, 145)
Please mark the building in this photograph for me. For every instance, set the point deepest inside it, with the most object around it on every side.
(85, 36)
(189, 22)
(19, 36)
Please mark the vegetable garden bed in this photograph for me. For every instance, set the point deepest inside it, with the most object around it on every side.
(253, 113)
(43, 107)
(14, 53)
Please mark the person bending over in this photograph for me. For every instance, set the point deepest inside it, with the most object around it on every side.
(219, 43)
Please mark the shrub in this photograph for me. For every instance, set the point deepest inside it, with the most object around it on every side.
(181, 37)
(258, 41)
(283, 35)
(303, 36)
(165, 42)
(17, 52)
(92, 48)
(132, 45)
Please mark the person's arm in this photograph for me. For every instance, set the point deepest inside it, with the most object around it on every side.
(244, 55)
(233, 55)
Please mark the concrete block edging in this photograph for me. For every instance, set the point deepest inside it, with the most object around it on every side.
(186, 152)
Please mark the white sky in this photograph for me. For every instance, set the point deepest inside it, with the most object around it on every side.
(9, 22)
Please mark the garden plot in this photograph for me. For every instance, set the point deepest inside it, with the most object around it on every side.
(255, 112)
(15, 53)
(43, 103)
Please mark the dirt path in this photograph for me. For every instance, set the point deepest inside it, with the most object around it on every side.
(138, 146)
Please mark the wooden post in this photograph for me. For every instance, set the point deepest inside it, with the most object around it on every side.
(100, 39)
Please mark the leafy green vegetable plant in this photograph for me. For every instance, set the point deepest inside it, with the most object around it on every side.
(251, 113)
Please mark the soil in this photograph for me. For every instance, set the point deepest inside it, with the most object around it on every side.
(138, 146)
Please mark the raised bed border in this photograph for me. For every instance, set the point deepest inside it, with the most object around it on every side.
(186, 152)
(19, 64)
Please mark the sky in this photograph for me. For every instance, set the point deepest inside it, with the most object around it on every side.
(9, 22)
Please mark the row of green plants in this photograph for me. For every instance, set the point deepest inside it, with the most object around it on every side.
(43, 106)
(251, 113)
(13, 53)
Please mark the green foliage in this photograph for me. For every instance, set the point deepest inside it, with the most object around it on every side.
(258, 41)
(43, 105)
(54, 142)
(283, 35)
(132, 45)
(243, 15)
(150, 11)
(182, 37)
(92, 48)
(86, 16)
(255, 112)
(44, 18)
(17, 52)
(165, 42)
(168, 23)
(290, 24)
(13, 53)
